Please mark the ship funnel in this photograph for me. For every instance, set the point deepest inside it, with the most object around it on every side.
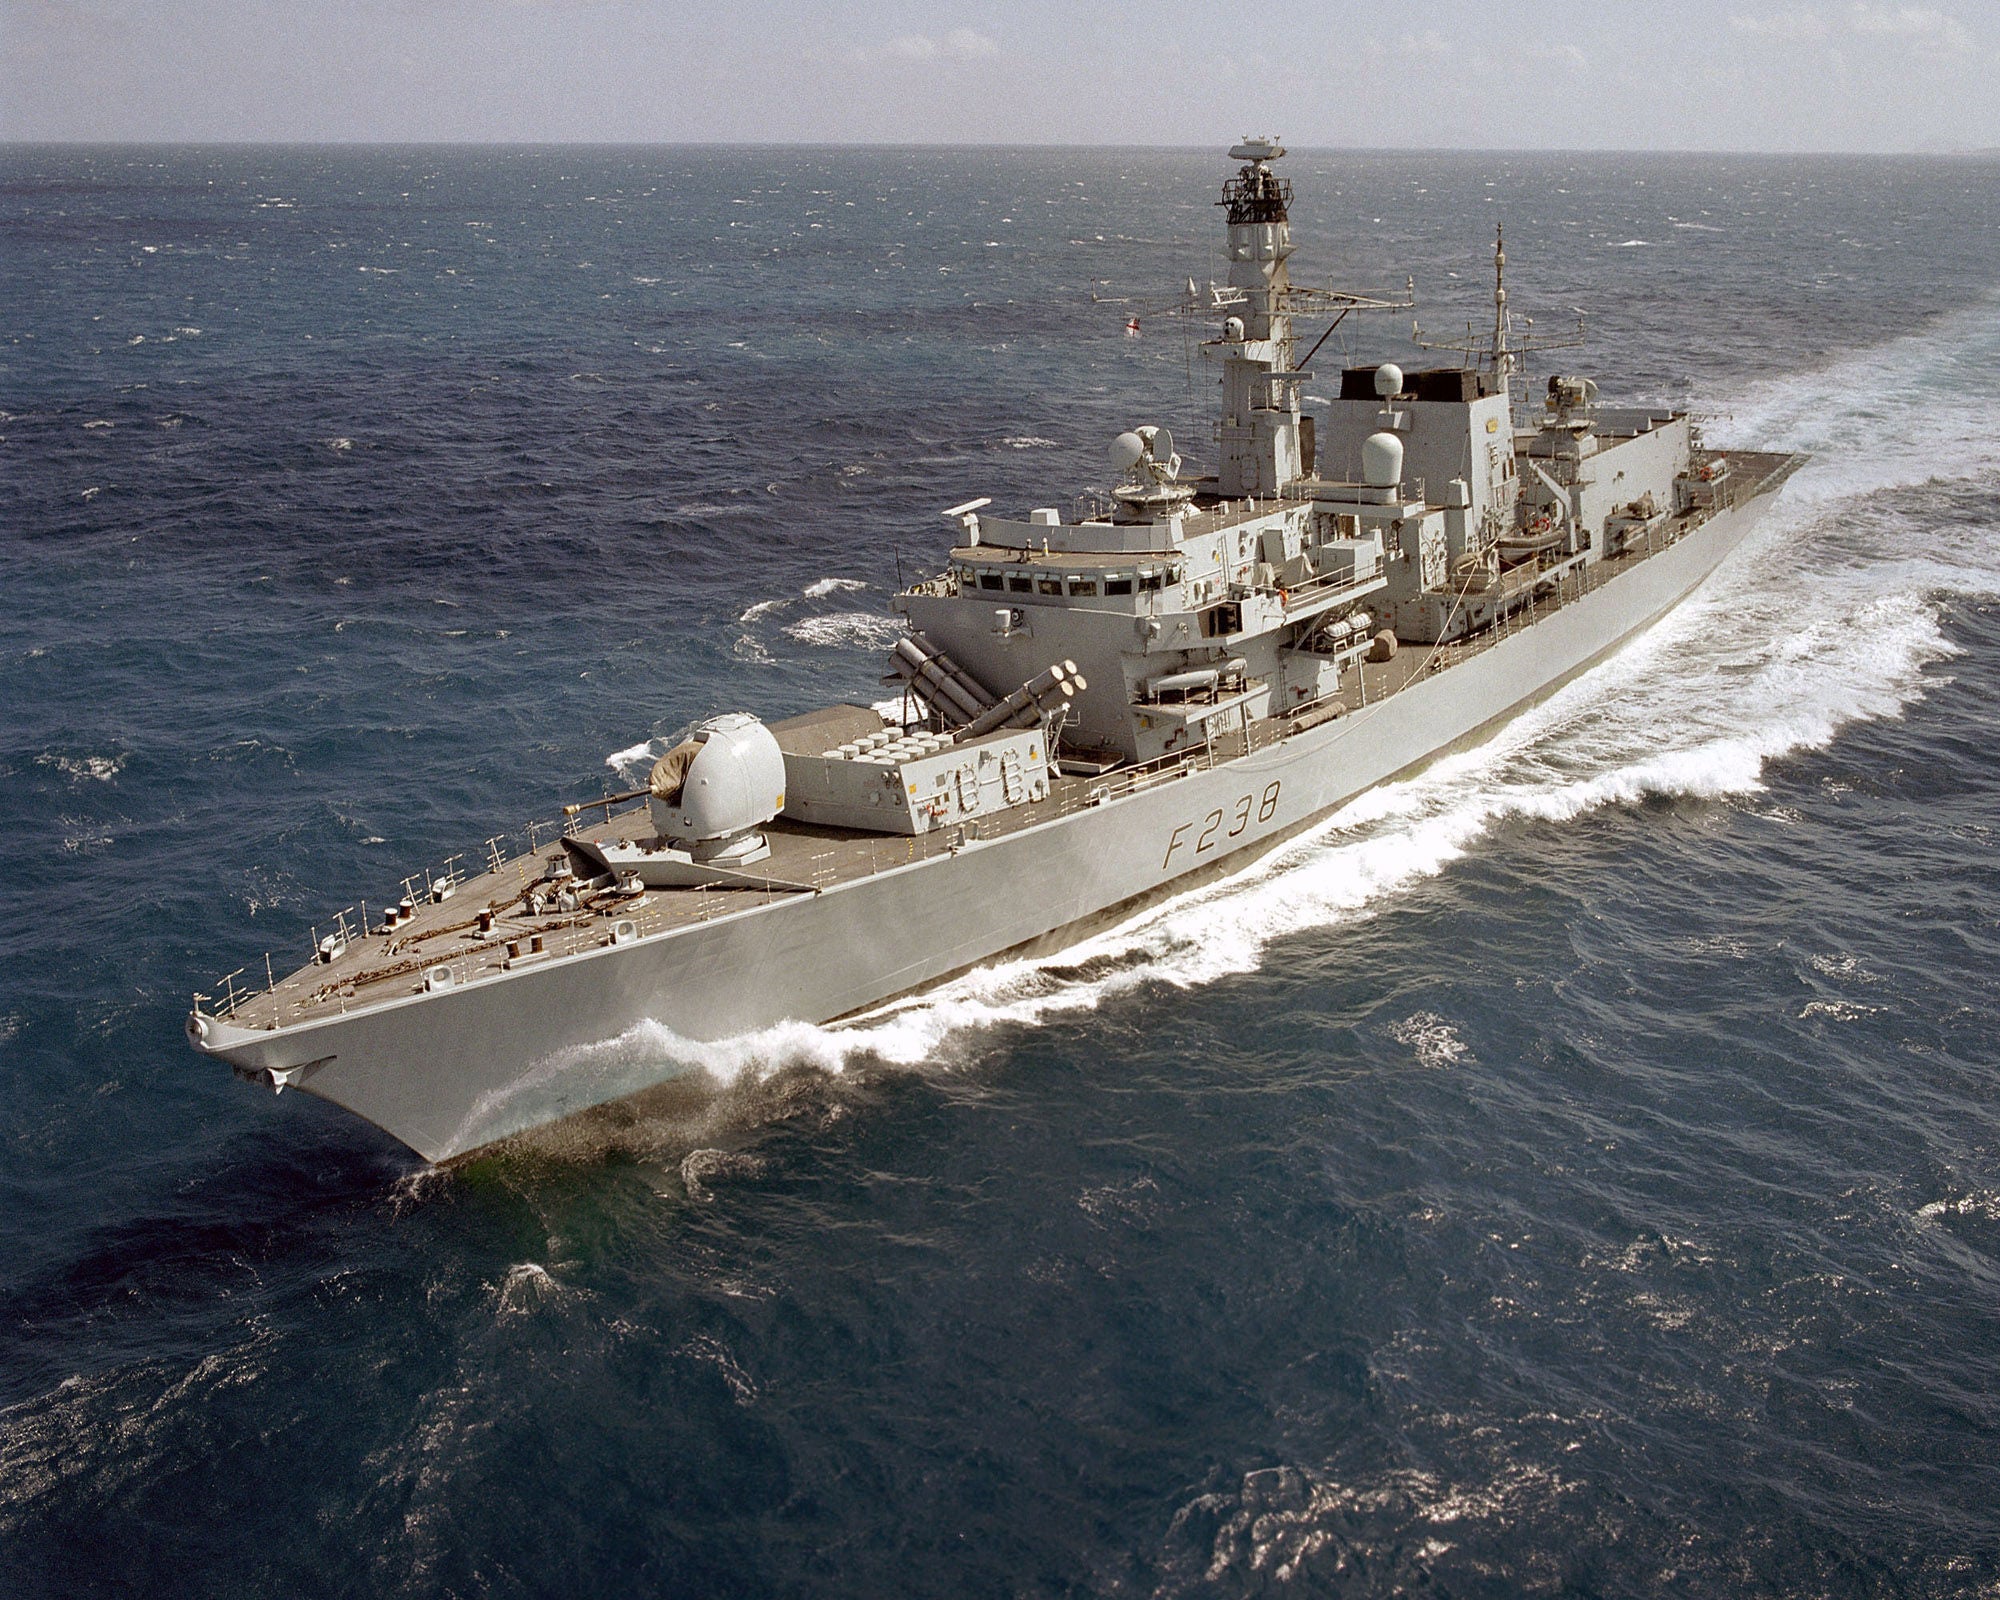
(1382, 461)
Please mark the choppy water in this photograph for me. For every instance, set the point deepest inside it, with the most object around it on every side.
(1574, 1170)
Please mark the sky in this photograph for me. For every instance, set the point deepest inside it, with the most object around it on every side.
(1739, 75)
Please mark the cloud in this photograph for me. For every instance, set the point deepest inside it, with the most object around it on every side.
(1865, 19)
(921, 49)
(1793, 25)
(1925, 23)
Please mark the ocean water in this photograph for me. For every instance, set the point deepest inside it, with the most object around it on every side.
(1575, 1170)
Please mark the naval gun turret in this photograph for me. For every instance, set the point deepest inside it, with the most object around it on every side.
(712, 793)
(708, 800)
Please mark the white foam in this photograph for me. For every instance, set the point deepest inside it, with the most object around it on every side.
(1985, 1206)
(817, 590)
(1432, 1040)
(82, 769)
(631, 755)
(701, 1167)
(528, 1288)
(1920, 409)
(847, 628)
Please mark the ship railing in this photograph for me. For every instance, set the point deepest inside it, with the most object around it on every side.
(1313, 589)
(1308, 489)
(352, 922)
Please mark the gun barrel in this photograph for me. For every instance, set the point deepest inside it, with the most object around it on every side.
(608, 800)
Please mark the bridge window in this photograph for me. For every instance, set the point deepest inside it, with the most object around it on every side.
(1083, 586)
(1117, 585)
(1019, 583)
(991, 580)
(1049, 585)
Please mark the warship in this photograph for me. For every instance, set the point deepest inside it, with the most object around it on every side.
(1097, 701)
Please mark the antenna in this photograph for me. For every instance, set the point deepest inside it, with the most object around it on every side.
(1499, 351)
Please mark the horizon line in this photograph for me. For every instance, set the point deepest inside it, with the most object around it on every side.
(11, 143)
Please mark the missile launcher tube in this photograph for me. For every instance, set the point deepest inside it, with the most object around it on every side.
(1033, 700)
(967, 685)
(933, 685)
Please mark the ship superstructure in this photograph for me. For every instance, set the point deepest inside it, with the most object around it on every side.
(1094, 706)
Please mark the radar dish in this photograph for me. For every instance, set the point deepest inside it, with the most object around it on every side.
(1126, 452)
(1163, 446)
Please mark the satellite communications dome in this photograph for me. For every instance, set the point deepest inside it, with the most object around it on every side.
(1382, 461)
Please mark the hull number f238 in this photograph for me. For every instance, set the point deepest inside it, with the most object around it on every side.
(1223, 823)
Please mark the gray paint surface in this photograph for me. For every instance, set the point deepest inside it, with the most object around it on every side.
(450, 1072)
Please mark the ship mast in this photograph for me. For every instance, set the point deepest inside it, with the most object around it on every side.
(1499, 352)
(1259, 432)
(1265, 442)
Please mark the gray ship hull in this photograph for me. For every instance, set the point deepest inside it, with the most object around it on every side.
(447, 1073)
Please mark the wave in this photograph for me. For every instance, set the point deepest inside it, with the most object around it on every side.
(84, 769)
(819, 589)
(847, 628)
(1923, 408)
(707, 508)
(642, 753)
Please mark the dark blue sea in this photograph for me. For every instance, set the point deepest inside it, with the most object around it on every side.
(1573, 1171)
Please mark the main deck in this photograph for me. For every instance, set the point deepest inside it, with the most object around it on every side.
(461, 930)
